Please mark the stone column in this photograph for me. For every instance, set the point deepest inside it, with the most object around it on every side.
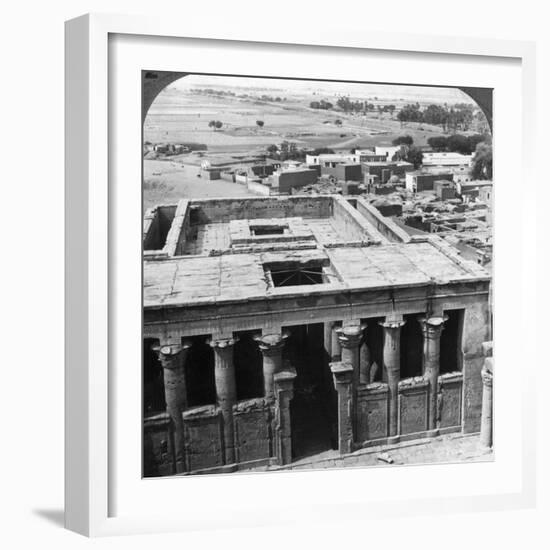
(226, 391)
(172, 358)
(486, 433)
(364, 361)
(284, 392)
(271, 346)
(343, 382)
(431, 332)
(392, 365)
(335, 343)
(350, 339)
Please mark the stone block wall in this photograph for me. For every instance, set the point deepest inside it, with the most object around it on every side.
(476, 331)
(158, 446)
(372, 411)
(372, 421)
(225, 210)
(413, 405)
(253, 430)
(387, 227)
(203, 429)
(157, 223)
(352, 222)
(450, 400)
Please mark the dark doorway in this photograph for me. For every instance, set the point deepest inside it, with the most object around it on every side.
(248, 362)
(375, 343)
(451, 356)
(199, 373)
(313, 410)
(411, 347)
(153, 379)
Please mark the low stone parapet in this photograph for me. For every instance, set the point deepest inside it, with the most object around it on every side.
(203, 428)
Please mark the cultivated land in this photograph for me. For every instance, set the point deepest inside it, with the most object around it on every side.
(178, 117)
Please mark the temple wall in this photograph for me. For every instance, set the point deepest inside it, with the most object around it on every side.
(158, 446)
(386, 226)
(372, 410)
(476, 331)
(352, 223)
(203, 430)
(225, 210)
(253, 430)
(413, 405)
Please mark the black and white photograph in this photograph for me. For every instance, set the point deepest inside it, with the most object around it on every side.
(317, 274)
(257, 275)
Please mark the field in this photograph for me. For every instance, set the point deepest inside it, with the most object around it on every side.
(185, 118)
(165, 182)
(179, 116)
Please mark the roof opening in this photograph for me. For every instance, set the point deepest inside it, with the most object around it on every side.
(268, 230)
(288, 274)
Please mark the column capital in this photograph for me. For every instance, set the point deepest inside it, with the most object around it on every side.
(171, 355)
(350, 336)
(392, 322)
(271, 344)
(222, 343)
(432, 326)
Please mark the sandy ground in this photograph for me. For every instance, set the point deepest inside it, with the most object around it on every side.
(452, 448)
(187, 120)
(166, 182)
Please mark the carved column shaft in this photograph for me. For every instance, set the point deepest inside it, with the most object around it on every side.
(431, 332)
(271, 346)
(392, 366)
(350, 339)
(284, 391)
(343, 382)
(172, 358)
(226, 391)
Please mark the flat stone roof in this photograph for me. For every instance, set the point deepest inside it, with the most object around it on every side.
(192, 281)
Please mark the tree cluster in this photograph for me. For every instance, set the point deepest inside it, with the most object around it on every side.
(215, 124)
(482, 164)
(321, 104)
(347, 105)
(288, 150)
(459, 116)
(407, 151)
(221, 93)
(465, 145)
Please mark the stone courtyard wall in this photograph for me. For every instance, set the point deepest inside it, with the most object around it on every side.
(225, 210)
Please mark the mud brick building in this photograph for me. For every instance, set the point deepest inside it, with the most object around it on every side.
(281, 327)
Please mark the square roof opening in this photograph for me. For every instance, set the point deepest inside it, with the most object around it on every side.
(283, 274)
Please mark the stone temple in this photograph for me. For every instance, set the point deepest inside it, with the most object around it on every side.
(281, 327)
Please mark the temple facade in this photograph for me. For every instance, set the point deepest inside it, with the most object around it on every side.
(282, 327)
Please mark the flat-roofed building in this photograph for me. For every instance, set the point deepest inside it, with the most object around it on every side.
(419, 181)
(446, 159)
(280, 326)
